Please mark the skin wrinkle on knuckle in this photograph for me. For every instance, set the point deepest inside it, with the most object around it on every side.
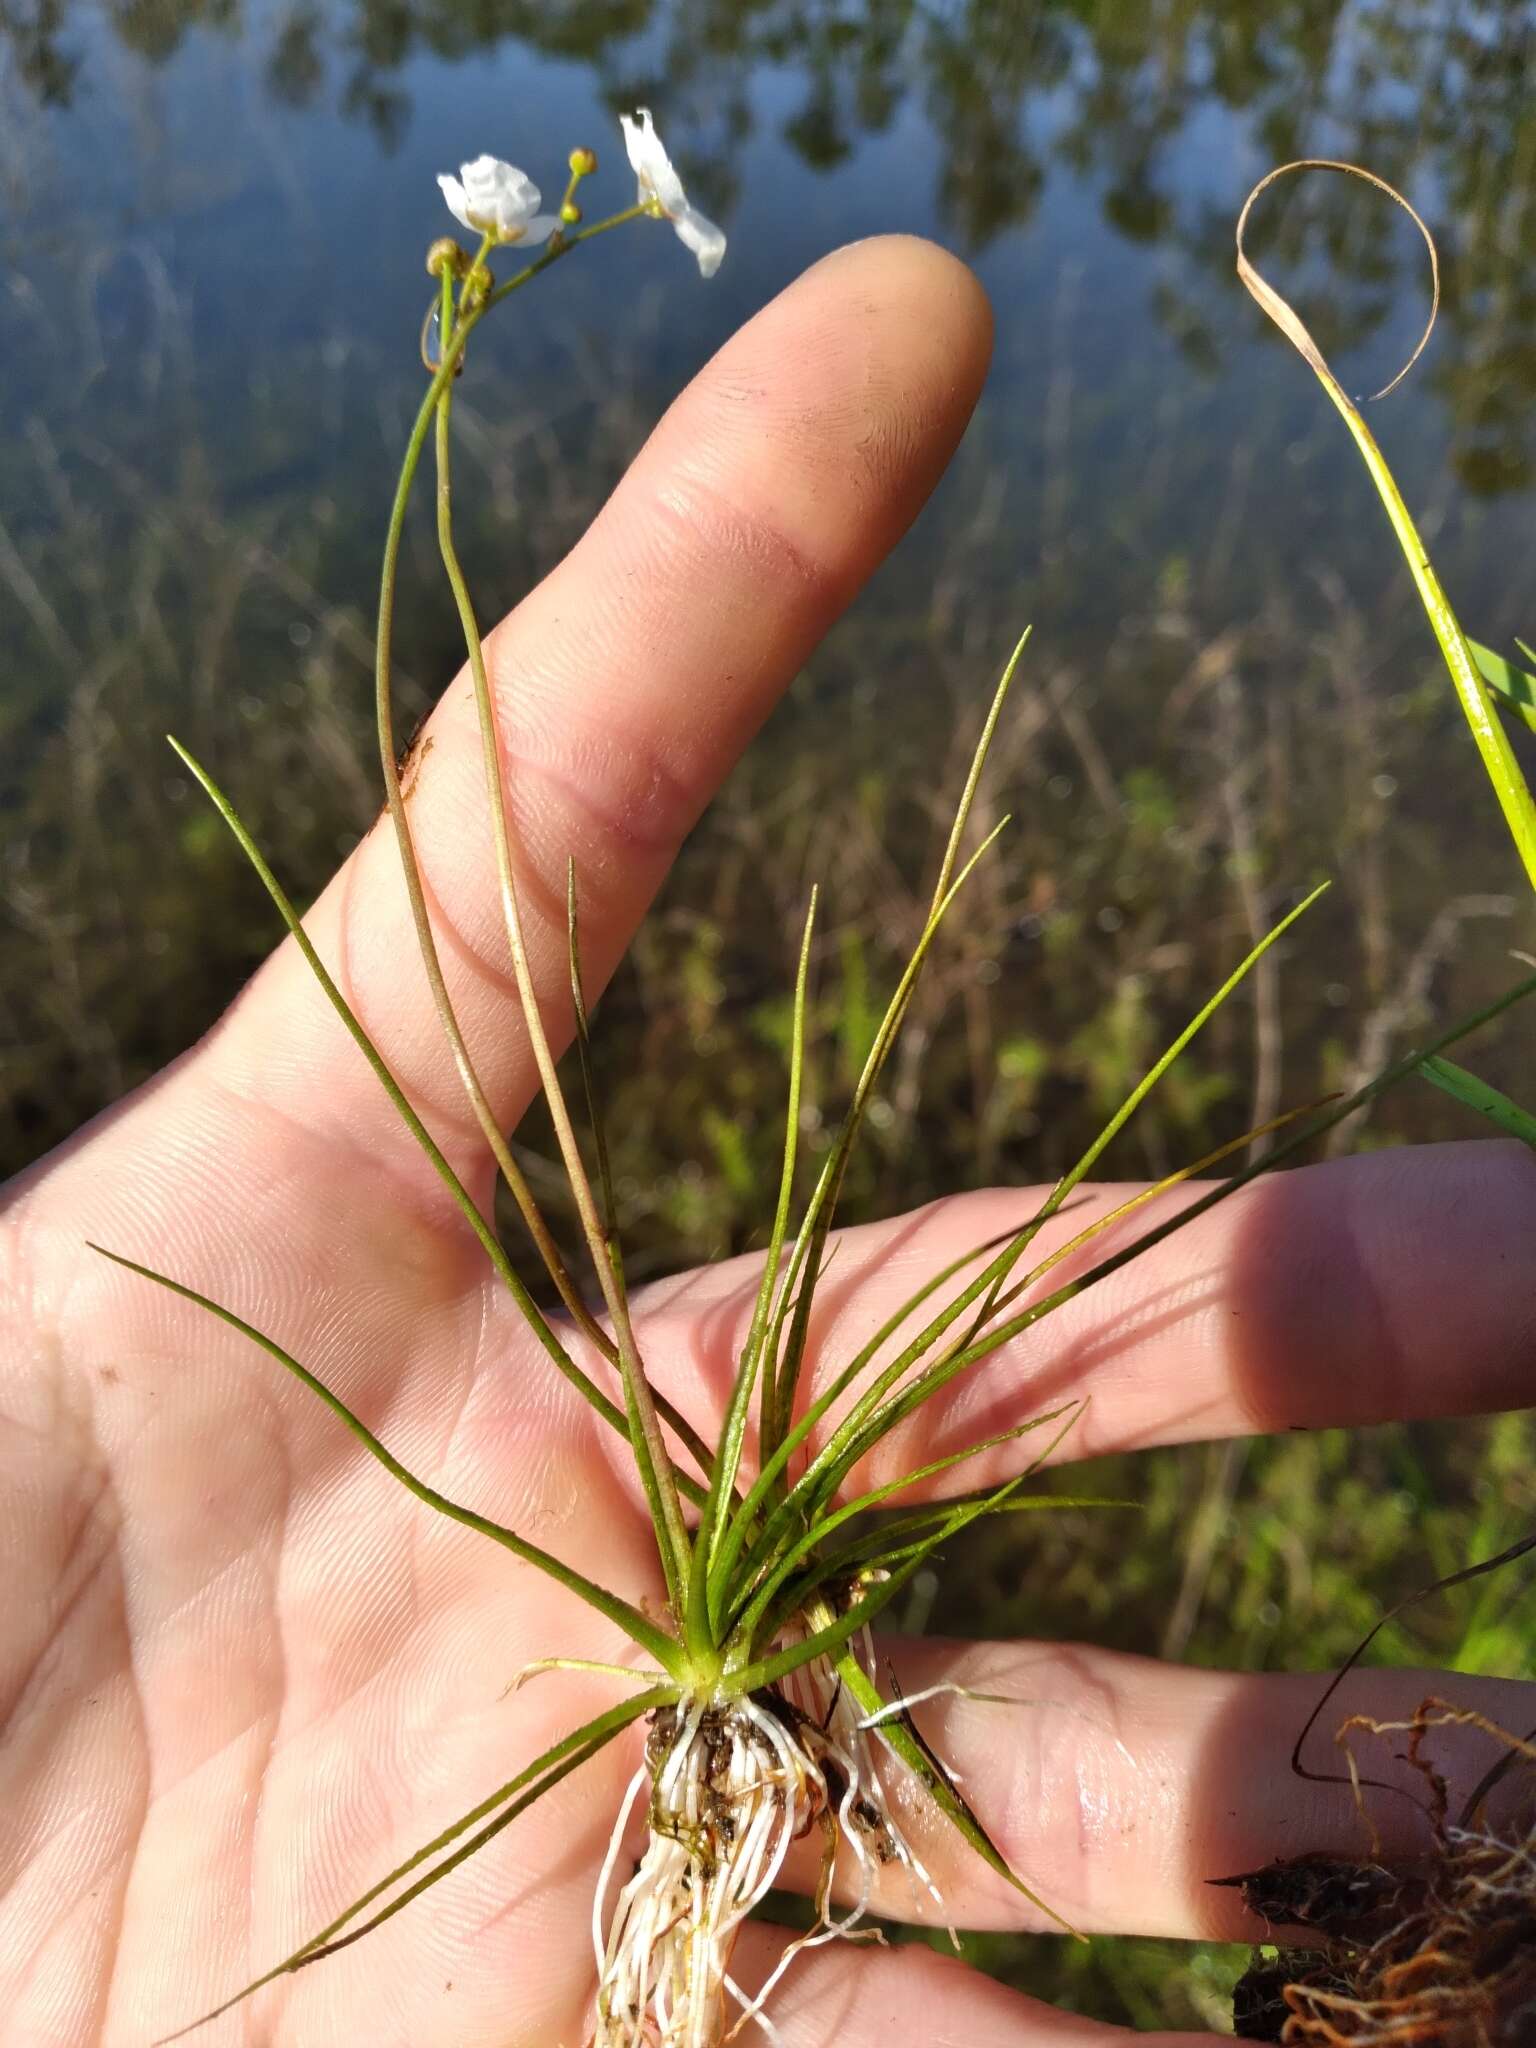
(412, 1192)
(598, 792)
(698, 521)
(628, 799)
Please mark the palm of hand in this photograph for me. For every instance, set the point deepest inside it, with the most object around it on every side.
(242, 1674)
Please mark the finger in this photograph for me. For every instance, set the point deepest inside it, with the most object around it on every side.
(629, 681)
(911, 1997)
(1396, 1285)
(1118, 1787)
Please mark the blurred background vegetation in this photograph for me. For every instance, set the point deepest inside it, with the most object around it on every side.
(212, 214)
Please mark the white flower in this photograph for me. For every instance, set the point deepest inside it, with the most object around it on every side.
(497, 199)
(662, 188)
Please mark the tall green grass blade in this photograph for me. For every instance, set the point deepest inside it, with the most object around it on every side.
(702, 1603)
(974, 774)
(886, 1331)
(1192, 1030)
(588, 1079)
(656, 1642)
(797, 1290)
(1498, 757)
(829, 1641)
(1514, 689)
(873, 1417)
(795, 1297)
(807, 1499)
(539, 1777)
(494, 1250)
(785, 1360)
(937, 1783)
(812, 1537)
(844, 1448)
(768, 1482)
(896, 1538)
(1481, 1096)
(1316, 1128)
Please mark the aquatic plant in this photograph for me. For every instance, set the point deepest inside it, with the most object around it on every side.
(767, 1720)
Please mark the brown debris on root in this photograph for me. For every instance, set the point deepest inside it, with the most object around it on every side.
(1437, 1954)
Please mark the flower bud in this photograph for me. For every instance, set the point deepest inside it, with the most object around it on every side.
(570, 213)
(583, 163)
(446, 255)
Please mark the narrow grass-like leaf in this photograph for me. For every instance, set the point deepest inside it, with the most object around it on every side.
(655, 1641)
(1521, 1548)
(546, 1771)
(784, 1359)
(830, 1640)
(918, 1534)
(702, 1606)
(822, 1518)
(1317, 1127)
(812, 1537)
(1192, 1029)
(844, 1449)
(1514, 689)
(1498, 757)
(898, 1535)
(769, 1478)
(873, 1417)
(789, 1350)
(589, 1081)
(868, 1421)
(903, 1738)
(1481, 1096)
(494, 1250)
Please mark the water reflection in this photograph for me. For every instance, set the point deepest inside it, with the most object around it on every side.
(1433, 96)
(210, 329)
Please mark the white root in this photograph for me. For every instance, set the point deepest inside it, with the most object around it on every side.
(733, 1784)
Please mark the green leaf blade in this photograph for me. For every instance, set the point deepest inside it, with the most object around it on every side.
(1487, 1100)
(637, 1626)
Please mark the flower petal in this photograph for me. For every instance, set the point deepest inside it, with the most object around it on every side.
(457, 198)
(539, 229)
(698, 233)
(493, 197)
(650, 163)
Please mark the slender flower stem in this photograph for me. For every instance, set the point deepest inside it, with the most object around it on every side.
(650, 1447)
(454, 337)
(560, 244)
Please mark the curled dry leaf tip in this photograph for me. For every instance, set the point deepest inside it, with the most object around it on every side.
(1285, 315)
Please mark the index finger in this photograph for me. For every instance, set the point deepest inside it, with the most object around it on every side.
(629, 681)
(1395, 1286)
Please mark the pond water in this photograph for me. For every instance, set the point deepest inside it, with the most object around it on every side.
(212, 222)
(212, 219)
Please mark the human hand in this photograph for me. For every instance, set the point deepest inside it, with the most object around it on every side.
(241, 1674)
